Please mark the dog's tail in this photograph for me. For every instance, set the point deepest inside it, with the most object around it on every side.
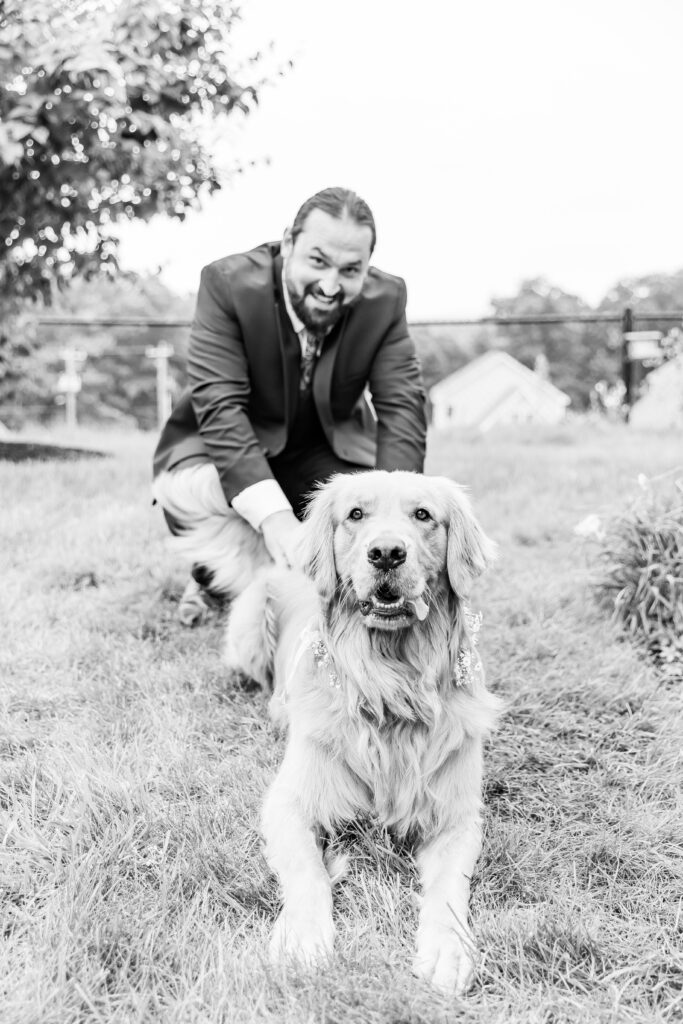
(252, 633)
(208, 534)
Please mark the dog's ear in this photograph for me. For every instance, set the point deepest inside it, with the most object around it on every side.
(317, 552)
(469, 550)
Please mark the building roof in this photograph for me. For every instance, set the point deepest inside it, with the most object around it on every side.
(476, 372)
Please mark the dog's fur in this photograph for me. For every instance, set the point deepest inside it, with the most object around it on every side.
(210, 535)
(365, 653)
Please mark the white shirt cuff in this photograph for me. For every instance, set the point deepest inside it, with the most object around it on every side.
(257, 502)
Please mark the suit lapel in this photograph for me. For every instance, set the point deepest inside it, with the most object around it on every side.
(290, 350)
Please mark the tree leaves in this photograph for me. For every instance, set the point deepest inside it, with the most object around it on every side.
(102, 114)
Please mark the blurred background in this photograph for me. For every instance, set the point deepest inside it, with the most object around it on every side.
(522, 162)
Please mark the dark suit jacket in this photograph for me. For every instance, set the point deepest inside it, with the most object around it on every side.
(243, 367)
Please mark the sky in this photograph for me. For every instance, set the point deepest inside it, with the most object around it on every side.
(494, 141)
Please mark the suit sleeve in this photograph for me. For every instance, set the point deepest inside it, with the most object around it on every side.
(220, 388)
(398, 397)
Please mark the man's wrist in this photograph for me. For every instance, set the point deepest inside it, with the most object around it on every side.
(259, 501)
(285, 516)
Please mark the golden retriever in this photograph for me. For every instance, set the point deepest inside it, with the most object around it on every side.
(371, 656)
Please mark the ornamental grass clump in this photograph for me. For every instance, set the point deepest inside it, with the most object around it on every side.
(642, 585)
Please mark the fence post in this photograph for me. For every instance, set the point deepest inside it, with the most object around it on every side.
(161, 354)
(69, 383)
(626, 364)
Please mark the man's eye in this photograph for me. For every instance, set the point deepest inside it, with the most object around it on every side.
(422, 514)
(356, 513)
(316, 261)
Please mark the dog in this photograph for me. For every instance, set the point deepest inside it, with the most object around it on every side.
(371, 656)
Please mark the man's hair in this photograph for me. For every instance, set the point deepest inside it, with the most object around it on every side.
(338, 202)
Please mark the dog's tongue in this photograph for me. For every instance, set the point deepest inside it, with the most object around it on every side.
(419, 606)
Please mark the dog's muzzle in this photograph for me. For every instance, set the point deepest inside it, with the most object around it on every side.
(388, 608)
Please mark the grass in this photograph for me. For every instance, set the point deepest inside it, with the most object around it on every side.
(132, 887)
(642, 583)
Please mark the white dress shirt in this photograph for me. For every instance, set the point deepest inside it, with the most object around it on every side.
(258, 501)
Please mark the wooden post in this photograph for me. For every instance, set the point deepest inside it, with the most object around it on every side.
(70, 382)
(161, 354)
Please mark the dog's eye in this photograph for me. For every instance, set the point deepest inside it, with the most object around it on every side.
(356, 513)
(422, 514)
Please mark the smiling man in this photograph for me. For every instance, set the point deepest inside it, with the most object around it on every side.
(300, 365)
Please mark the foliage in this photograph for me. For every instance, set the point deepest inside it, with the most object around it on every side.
(103, 110)
(672, 344)
(578, 354)
(25, 377)
(118, 377)
(642, 585)
(648, 292)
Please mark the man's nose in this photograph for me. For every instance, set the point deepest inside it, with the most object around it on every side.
(329, 282)
(386, 552)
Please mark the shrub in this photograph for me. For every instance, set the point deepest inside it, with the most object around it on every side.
(642, 581)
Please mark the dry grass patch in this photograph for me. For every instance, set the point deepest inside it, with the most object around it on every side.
(131, 774)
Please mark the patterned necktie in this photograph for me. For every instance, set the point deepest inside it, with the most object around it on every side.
(309, 354)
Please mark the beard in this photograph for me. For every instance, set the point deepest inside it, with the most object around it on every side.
(317, 321)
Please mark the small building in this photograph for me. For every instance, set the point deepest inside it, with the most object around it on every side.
(661, 404)
(495, 390)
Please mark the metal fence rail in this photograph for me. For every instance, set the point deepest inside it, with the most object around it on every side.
(628, 319)
(503, 321)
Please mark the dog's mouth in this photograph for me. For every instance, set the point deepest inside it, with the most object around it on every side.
(387, 606)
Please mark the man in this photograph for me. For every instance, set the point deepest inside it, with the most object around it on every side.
(300, 365)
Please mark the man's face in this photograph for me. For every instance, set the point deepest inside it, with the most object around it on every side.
(325, 267)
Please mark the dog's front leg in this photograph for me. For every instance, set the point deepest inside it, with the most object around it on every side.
(445, 949)
(304, 929)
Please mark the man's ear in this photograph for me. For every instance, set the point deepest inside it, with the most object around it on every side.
(469, 551)
(287, 243)
(318, 546)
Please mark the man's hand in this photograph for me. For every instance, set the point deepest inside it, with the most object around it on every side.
(282, 536)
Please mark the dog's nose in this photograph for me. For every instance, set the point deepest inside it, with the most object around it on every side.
(386, 553)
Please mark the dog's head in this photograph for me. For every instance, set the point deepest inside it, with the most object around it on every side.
(388, 541)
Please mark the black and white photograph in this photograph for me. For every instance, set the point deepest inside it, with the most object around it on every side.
(341, 512)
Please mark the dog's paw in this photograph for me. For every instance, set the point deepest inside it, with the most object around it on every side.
(305, 937)
(446, 961)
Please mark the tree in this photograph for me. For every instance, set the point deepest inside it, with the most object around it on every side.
(651, 293)
(25, 376)
(578, 354)
(103, 109)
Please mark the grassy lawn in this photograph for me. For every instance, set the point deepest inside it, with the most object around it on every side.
(132, 887)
